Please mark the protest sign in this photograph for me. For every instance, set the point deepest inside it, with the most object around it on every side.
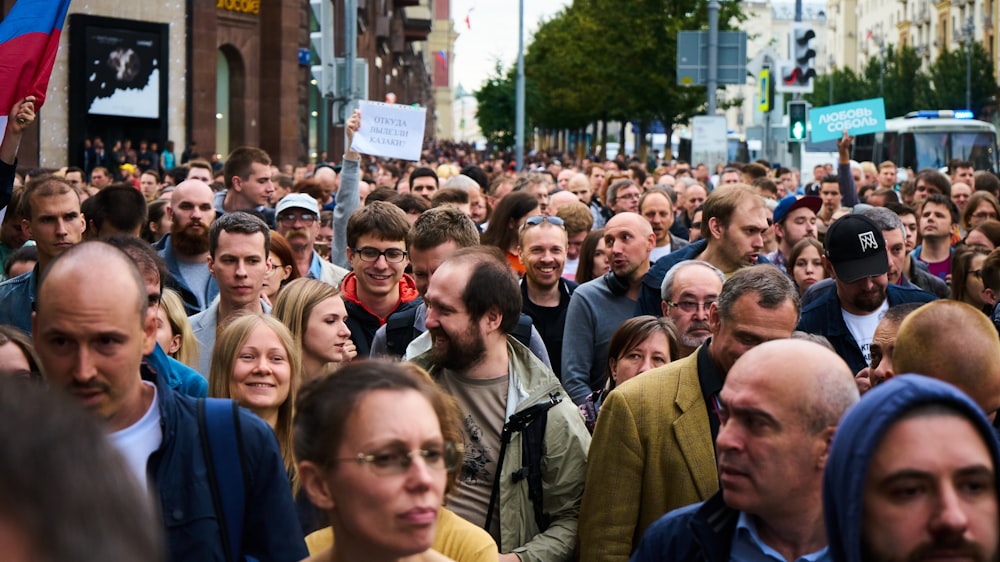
(390, 130)
(860, 117)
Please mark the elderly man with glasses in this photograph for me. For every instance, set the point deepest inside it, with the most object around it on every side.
(298, 221)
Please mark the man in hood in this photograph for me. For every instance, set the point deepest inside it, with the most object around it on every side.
(912, 474)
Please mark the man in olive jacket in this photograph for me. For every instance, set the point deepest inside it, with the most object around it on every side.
(473, 302)
(653, 448)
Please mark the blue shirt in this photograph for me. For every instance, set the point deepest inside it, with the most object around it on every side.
(315, 268)
(747, 546)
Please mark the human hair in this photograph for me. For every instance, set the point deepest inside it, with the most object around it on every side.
(382, 220)
(658, 190)
(503, 227)
(120, 206)
(239, 222)
(310, 187)
(43, 186)
(935, 178)
(975, 200)
(492, 285)
(945, 201)
(886, 165)
(296, 303)
(391, 169)
(990, 229)
(155, 211)
(771, 286)
(476, 173)
(10, 334)
(202, 164)
(25, 254)
(576, 218)
(988, 182)
(149, 172)
(632, 332)
(424, 172)
(145, 257)
(885, 219)
(173, 307)
(722, 203)
(460, 182)
(527, 180)
(239, 162)
(991, 271)
(281, 249)
(888, 193)
(801, 246)
(961, 267)
(324, 405)
(755, 171)
(443, 224)
(613, 189)
(224, 355)
(59, 470)
(390, 195)
(498, 182)
(955, 164)
(588, 250)
(452, 195)
(667, 286)
(284, 180)
(766, 184)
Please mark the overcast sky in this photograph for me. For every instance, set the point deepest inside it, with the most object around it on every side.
(493, 35)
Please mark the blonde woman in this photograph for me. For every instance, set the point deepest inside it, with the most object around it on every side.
(314, 313)
(173, 330)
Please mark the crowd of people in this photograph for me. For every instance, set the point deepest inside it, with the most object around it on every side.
(455, 360)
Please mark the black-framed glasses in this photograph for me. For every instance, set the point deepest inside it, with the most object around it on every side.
(393, 463)
(691, 306)
(290, 218)
(392, 255)
(539, 219)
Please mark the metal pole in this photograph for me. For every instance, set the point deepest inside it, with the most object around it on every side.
(968, 63)
(711, 84)
(350, 53)
(519, 107)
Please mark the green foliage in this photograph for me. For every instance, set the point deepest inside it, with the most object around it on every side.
(496, 110)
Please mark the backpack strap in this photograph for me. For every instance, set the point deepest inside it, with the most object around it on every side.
(532, 443)
(399, 331)
(221, 441)
(522, 331)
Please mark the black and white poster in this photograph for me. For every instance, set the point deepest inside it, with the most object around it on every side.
(122, 72)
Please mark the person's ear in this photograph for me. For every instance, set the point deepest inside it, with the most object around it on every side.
(828, 266)
(315, 485)
(715, 227)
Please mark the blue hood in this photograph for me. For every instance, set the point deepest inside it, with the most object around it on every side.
(857, 436)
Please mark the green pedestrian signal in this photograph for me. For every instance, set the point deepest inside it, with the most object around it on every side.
(797, 115)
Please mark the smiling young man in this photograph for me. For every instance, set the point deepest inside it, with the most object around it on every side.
(52, 218)
(239, 244)
(377, 286)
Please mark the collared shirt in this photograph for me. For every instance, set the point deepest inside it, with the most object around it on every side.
(315, 268)
(747, 546)
(778, 259)
(710, 378)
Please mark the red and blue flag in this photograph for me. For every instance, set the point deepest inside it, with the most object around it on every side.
(29, 40)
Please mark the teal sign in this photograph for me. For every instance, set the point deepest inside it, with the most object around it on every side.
(860, 117)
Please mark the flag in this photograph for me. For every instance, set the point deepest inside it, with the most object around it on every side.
(442, 57)
(869, 36)
(29, 40)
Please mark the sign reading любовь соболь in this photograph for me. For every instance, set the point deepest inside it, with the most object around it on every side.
(830, 122)
(242, 6)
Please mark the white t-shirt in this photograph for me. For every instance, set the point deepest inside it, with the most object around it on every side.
(139, 440)
(660, 251)
(569, 270)
(863, 328)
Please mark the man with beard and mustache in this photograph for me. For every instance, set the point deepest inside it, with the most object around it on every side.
(858, 261)
(689, 290)
(912, 475)
(772, 449)
(298, 221)
(473, 303)
(185, 249)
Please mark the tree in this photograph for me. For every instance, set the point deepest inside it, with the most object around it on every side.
(495, 108)
(947, 77)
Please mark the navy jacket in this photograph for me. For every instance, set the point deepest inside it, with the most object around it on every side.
(859, 434)
(702, 531)
(823, 316)
(649, 292)
(176, 280)
(179, 474)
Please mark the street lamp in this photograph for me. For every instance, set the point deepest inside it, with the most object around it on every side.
(969, 28)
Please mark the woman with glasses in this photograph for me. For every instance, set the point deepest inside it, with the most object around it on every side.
(966, 276)
(283, 269)
(377, 450)
(315, 314)
(505, 223)
(982, 206)
(640, 344)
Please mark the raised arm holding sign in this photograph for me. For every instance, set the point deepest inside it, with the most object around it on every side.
(390, 130)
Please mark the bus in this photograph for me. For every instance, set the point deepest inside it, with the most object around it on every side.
(931, 139)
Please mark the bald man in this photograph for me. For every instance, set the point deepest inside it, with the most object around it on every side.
(771, 478)
(881, 367)
(595, 313)
(185, 249)
(953, 342)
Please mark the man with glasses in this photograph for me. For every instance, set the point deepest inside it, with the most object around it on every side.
(689, 290)
(377, 286)
(298, 221)
(623, 197)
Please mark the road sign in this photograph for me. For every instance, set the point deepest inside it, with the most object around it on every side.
(692, 58)
(764, 96)
(867, 116)
(708, 140)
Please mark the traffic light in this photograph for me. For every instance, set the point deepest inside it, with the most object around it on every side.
(798, 75)
(797, 116)
(324, 73)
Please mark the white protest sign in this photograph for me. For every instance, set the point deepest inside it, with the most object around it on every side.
(390, 130)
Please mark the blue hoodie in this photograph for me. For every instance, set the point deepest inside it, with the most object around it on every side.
(860, 432)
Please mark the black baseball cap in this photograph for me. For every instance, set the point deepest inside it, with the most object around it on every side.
(856, 248)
